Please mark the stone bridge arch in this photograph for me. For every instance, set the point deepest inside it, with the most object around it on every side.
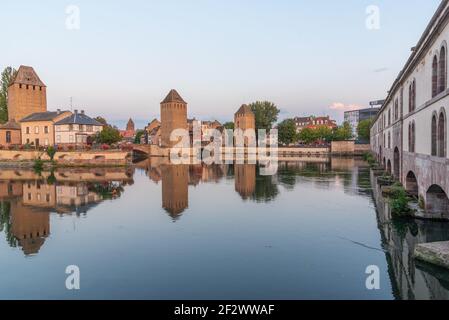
(411, 184)
(437, 202)
(396, 163)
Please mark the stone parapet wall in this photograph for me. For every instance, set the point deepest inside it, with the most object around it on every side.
(68, 158)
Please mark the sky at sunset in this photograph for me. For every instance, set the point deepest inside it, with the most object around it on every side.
(308, 57)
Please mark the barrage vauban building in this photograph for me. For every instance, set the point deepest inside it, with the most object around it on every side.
(409, 134)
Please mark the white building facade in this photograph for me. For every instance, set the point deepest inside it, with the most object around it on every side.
(409, 134)
(76, 129)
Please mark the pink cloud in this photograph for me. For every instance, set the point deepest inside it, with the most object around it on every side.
(343, 107)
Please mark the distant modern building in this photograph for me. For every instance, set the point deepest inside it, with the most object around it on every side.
(356, 116)
(313, 122)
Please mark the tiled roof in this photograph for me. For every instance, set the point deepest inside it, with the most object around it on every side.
(173, 96)
(79, 118)
(43, 116)
(244, 109)
(10, 125)
(27, 75)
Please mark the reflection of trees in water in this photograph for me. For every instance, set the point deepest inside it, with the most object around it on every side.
(5, 223)
(409, 278)
(107, 190)
(266, 189)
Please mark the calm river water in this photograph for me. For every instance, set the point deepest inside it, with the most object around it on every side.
(159, 231)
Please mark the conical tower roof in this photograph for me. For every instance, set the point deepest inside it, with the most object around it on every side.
(244, 109)
(27, 75)
(173, 96)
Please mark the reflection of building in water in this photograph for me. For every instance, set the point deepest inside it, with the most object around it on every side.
(28, 200)
(175, 197)
(410, 279)
(39, 194)
(75, 197)
(29, 225)
(10, 189)
(245, 179)
(206, 173)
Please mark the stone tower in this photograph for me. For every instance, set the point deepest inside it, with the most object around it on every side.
(130, 125)
(175, 189)
(173, 116)
(27, 94)
(245, 119)
(245, 179)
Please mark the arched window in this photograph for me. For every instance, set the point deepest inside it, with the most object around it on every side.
(442, 72)
(389, 140)
(414, 95)
(413, 136)
(410, 137)
(434, 76)
(442, 135)
(396, 109)
(434, 135)
(410, 98)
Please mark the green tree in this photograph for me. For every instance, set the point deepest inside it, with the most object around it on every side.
(229, 125)
(51, 151)
(344, 132)
(324, 133)
(7, 77)
(266, 114)
(101, 120)
(308, 135)
(363, 129)
(108, 135)
(287, 132)
(139, 135)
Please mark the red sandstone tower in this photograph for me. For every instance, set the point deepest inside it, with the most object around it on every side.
(173, 116)
(27, 94)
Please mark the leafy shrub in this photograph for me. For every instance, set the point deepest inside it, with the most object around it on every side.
(38, 165)
(399, 201)
(51, 151)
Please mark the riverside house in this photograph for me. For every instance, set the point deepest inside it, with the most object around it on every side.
(76, 129)
(10, 134)
(38, 128)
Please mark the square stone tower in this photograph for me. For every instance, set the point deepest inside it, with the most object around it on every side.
(244, 118)
(27, 94)
(173, 116)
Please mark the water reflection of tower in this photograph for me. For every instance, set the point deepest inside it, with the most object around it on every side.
(30, 226)
(245, 179)
(175, 196)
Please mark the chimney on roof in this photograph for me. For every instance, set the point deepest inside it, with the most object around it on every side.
(76, 111)
(82, 111)
(58, 111)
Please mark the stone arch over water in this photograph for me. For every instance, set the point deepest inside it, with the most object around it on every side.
(411, 184)
(396, 163)
(437, 201)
